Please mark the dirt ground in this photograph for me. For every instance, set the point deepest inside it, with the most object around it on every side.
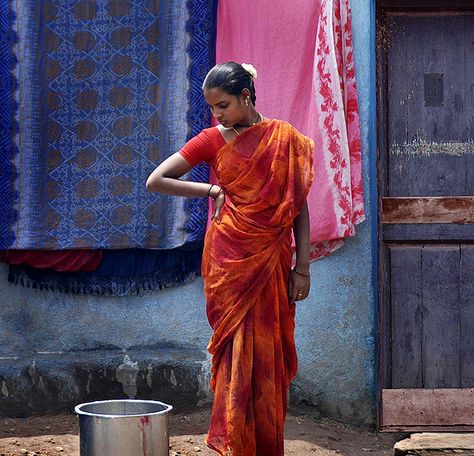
(58, 435)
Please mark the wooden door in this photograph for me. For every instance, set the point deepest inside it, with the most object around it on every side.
(426, 184)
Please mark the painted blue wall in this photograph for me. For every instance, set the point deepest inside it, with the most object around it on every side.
(335, 326)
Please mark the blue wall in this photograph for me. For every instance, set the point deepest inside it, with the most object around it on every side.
(335, 333)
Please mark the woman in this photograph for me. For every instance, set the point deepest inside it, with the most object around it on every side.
(264, 169)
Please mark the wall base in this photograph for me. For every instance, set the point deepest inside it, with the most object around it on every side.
(56, 382)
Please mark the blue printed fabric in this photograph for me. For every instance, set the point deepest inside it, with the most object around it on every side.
(97, 93)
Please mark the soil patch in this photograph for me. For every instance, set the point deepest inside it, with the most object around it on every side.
(58, 435)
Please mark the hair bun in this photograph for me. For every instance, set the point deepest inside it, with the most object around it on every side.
(250, 69)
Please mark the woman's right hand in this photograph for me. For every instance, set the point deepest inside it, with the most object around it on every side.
(219, 201)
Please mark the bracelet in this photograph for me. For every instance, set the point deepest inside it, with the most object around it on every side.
(209, 191)
(307, 274)
(218, 193)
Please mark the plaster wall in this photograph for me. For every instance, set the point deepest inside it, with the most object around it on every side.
(335, 325)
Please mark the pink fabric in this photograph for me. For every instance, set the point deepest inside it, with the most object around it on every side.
(303, 53)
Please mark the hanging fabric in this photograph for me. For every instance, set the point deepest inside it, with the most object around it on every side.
(96, 94)
(120, 272)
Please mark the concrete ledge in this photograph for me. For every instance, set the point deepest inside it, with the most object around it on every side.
(434, 444)
(55, 382)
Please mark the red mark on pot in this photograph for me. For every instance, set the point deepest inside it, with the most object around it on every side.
(144, 421)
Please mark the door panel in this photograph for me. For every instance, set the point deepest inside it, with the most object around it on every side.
(426, 184)
(430, 144)
(441, 319)
(426, 316)
(406, 303)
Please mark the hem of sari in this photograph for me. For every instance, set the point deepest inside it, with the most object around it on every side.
(227, 451)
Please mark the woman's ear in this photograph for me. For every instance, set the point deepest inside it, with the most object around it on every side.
(245, 93)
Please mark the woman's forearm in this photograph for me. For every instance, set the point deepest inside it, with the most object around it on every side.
(301, 233)
(166, 179)
(177, 187)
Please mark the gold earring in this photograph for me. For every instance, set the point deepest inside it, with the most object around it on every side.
(247, 101)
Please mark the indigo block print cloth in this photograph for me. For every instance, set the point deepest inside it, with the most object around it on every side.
(96, 94)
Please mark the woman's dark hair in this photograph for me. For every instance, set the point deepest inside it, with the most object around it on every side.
(230, 77)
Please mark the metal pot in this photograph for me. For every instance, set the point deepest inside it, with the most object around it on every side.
(124, 427)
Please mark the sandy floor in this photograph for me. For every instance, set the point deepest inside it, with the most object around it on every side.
(58, 435)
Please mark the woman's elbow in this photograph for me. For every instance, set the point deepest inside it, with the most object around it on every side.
(154, 182)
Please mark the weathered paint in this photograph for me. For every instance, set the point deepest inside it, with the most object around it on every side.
(335, 330)
(423, 148)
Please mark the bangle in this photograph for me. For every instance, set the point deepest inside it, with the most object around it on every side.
(304, 274)
(209, 191)
(218, 193)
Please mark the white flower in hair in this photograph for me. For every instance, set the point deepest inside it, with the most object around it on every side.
(249, 68)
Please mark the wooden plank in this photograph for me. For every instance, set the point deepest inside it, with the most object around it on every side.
(427, 409)
(383, 38)
(469, 101)
(406, 304)
(384, 352)
(401, 93)
(428, 232)
(441, 316)
(458, 209)
(467, 316)
(445, 130)
(384, 318)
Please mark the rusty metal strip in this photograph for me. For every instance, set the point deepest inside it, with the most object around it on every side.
(443, 209)
(413, 410)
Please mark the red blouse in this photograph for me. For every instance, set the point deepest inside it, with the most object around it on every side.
(203, 147)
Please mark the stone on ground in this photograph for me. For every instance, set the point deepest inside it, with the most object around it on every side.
(436, 444)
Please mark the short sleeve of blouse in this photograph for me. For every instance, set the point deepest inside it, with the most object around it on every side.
(203, 147)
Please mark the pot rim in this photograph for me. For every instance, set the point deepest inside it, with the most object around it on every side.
(167, 408)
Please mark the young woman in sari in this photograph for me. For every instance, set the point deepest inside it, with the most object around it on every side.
(264, 169)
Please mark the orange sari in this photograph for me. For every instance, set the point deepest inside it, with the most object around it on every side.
(266, 173)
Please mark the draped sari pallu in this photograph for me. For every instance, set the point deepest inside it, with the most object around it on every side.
(266, 173)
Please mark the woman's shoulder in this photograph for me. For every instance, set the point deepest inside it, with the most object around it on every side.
(211, 132)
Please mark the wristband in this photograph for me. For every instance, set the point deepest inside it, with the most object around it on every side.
(304, 274)
(221, 190)
(209, 191)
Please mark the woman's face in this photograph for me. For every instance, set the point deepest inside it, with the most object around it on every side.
(227, 109)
